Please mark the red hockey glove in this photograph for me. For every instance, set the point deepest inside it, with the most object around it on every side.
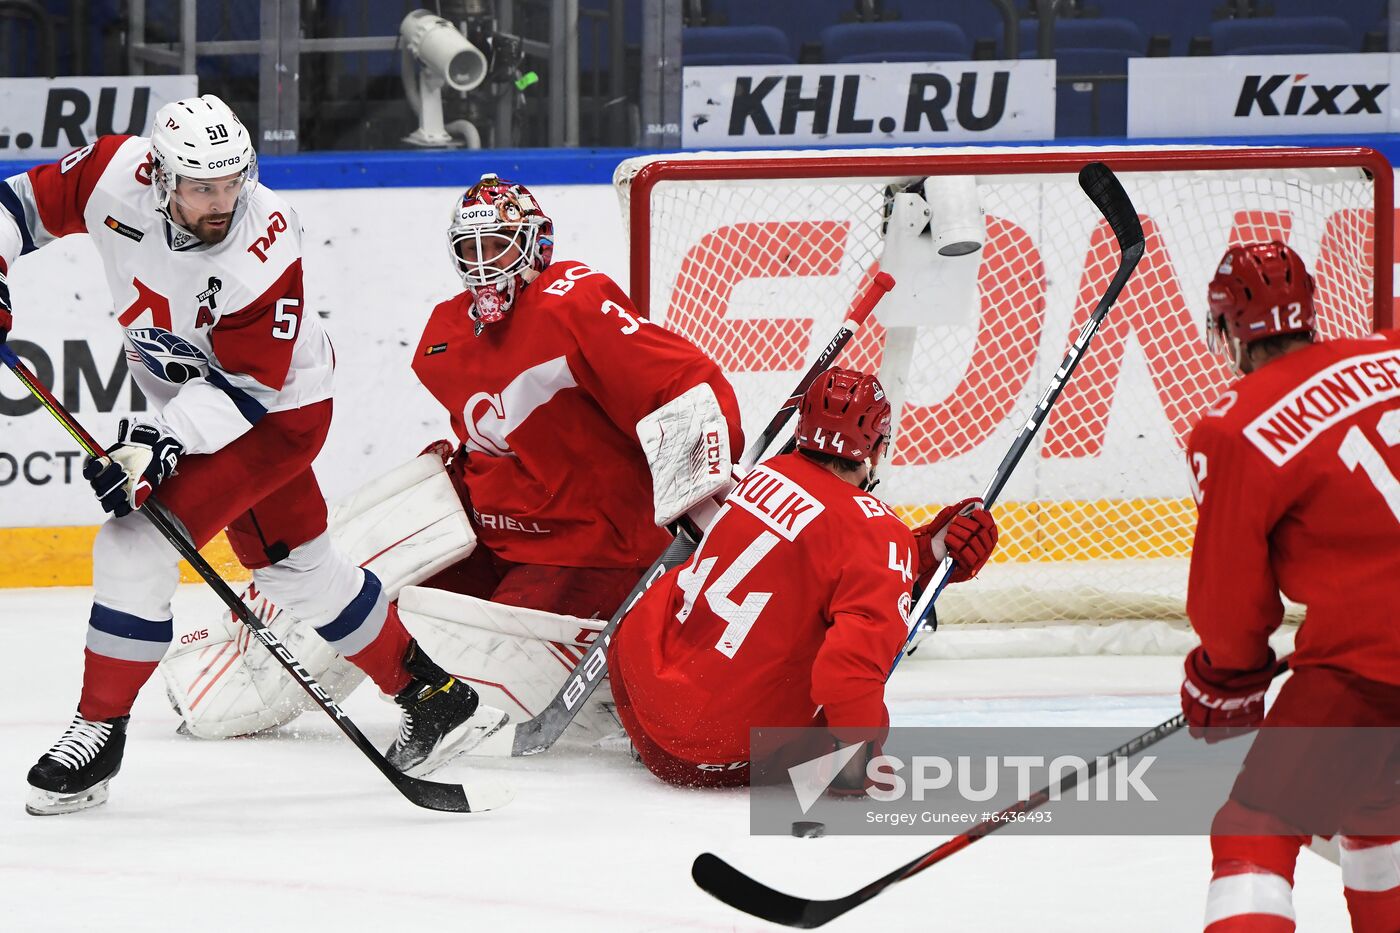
(969, 539)
(140, 460)
(1229, 703)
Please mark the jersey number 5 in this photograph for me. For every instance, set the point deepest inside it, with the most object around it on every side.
(739, 617)
(1356, 450)
(284, 318)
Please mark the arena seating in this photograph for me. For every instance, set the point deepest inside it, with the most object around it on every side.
(735, 45)
(1272, 35)
(895, 42)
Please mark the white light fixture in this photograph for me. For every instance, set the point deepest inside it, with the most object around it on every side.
(445, 58)
(933, 237)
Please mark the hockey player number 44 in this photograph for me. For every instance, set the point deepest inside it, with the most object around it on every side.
(1356, 450)
(739, 617)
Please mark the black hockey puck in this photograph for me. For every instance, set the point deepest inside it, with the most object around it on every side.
(804, 829)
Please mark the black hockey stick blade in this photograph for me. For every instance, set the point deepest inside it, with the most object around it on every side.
(727, 884)
(477, 797)
(1106, 191)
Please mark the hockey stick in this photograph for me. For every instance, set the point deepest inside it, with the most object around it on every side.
(1104, 189)
(879, 286)
(726, 883)
(428, 794)
(539, 733)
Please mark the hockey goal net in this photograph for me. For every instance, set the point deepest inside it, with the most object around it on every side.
(757, 256)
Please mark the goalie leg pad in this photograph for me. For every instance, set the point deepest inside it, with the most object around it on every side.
(516, 658)
(403, 527)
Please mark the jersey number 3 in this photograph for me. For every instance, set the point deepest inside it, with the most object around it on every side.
(739, 617)
(1357, 451)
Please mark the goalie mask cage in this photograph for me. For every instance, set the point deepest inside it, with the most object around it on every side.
(757, 256)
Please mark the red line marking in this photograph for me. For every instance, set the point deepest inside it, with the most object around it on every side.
(212, 661)
(500, 687)
(209, 686)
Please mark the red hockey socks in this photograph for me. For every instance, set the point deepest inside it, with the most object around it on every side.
(1371, 873)
(1245, 898)
(110, 685)
(383, 658)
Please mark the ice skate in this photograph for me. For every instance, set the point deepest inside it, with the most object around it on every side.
(442, 718)
(73, 775)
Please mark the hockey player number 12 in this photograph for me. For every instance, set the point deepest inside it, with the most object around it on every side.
(1356, 450)
(739, 617)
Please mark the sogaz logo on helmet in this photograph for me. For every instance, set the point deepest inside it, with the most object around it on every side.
(478, 212)
(220, 163)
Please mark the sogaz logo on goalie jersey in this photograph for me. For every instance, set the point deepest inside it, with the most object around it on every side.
(887, 102)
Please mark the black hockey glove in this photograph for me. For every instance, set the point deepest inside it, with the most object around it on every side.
(140, 460)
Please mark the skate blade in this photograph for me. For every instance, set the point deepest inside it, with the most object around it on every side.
(49, 803)
(485, 722)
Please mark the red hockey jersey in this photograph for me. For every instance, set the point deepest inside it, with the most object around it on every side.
(1295, 473)
(215, 335)
(546, 402)
(797, 599)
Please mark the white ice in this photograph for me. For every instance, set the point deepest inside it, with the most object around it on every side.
(296, 831)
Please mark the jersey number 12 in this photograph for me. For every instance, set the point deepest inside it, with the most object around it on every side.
(1356, 450)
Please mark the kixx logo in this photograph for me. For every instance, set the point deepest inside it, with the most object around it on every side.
(1263, 92)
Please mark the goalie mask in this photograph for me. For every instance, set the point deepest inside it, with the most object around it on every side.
(845, 414)
(1260, 290)
(202, 162)
(500, 240)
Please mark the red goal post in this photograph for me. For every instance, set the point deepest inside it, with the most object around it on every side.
(754, 255)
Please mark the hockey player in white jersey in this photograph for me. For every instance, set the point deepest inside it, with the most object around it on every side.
(204, 266)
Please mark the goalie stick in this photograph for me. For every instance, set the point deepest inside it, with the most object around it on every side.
(1107, 194)
(539, 733)
(733, 887)
(725, 882)
(430, 795)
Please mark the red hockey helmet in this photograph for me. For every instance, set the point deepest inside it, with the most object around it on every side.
(1260, 290)
(845, 414)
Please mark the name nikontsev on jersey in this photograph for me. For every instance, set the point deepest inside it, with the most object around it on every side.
(1332, 395)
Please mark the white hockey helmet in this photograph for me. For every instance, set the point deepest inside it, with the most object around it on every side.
(199, 137)
(490, 219)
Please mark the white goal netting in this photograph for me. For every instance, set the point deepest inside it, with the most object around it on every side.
(758, 256)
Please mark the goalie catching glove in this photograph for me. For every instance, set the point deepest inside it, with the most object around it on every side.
(140, 460)
(963, 531)
(1227, 702)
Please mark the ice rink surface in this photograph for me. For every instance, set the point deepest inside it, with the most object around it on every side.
(296, 831)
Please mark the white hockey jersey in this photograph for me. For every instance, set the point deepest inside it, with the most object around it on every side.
(215, 335)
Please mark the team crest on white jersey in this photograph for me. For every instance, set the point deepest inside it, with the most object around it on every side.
(169, 356)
